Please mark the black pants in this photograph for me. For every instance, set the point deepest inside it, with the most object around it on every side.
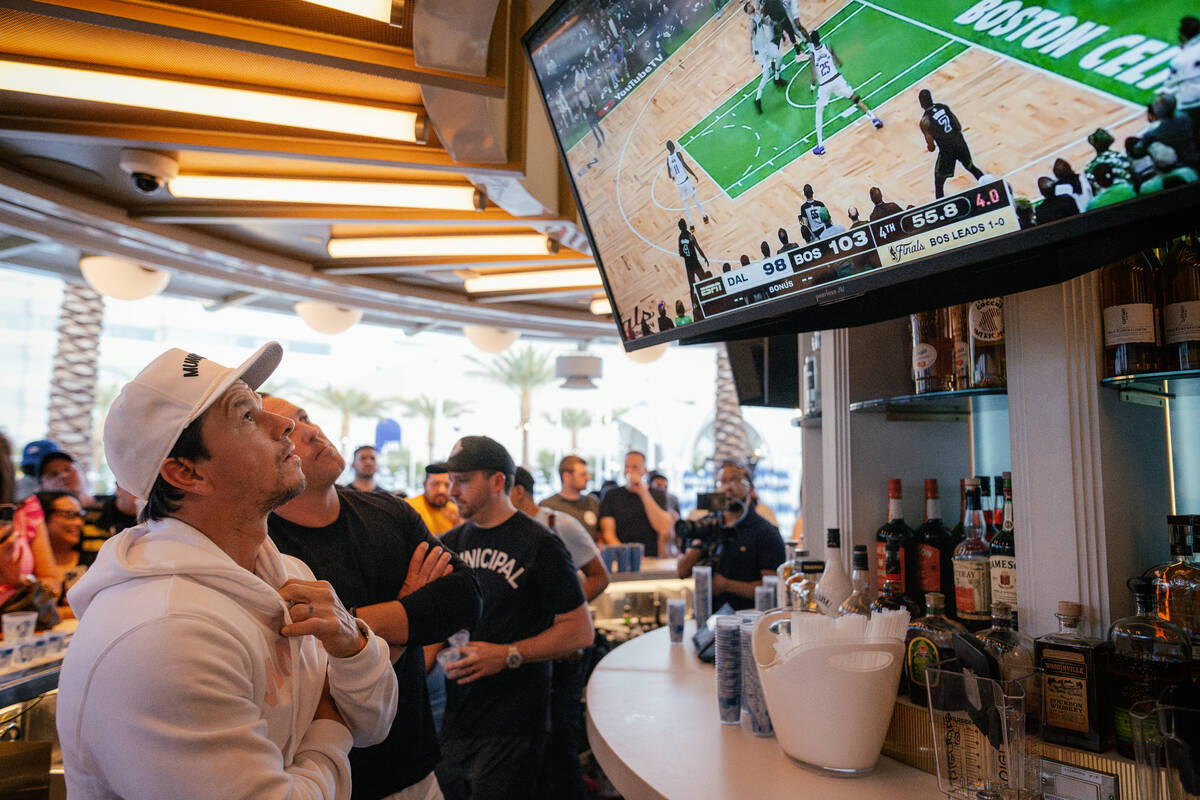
(490, 767)
(562, 775)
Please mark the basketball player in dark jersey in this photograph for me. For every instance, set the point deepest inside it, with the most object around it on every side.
(943, 133)
(785, 26)
(689, 250)
(811, 211)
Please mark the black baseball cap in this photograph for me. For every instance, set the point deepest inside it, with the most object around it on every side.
(523, 478)
(479, 453)
(436, 469)
(51, 456)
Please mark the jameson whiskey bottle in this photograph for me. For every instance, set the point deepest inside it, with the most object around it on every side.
(895, 529)
(972, 583)
(1073, 669)
(929, 641)
(1181, 305)
(935, 550)
(932, 351)
(1127, 296)
(1151, 659)
(1002, 559)
(985, 319)
(960, 335)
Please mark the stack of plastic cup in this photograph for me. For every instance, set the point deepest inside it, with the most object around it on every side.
(702, 594)
(729, 668)
(764, 597)
(758, 721)
(637, 551)
(676, 611)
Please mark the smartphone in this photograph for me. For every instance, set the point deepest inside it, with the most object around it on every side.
(7, 510)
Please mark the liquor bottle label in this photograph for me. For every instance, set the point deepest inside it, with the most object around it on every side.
(962, 355)
(987, 320)
(972, 589)
(1183, 322)
(1066, 690)
(922, 653)
(1004, 579)
(1129, 324)
(881, 567)
(931, 568)
(924, 357)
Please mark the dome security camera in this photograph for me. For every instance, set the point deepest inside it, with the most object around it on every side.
(149, 171)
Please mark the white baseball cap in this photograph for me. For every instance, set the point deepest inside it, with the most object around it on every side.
(152, 410)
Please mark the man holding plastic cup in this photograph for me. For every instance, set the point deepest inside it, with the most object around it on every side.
(498, 693)
(635, 512)
(207, 664)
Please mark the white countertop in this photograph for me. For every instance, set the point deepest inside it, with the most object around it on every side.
(652, 723)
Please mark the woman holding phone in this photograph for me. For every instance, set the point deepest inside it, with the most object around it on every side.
(24, 541)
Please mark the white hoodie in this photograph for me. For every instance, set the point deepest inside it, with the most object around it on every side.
(178, 684)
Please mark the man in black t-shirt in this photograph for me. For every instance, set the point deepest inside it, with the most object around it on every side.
(392, 574)
(635, 512)
(756, 550)
(498, 692)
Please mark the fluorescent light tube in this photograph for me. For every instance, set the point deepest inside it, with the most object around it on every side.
(210, 101)
(325, 192)
(518, 244)
(583, 277)
(375, 9)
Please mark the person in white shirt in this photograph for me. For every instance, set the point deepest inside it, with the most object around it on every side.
(207, 664)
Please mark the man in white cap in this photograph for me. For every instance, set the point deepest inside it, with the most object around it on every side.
(206, 664)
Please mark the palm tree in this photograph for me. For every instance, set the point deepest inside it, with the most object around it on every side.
(429, 409)
(523, 371)
(76, 364)
(730, 434)
(574, 420)
(350, 403)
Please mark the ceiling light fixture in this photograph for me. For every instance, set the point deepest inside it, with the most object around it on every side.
(374, 9)
(513, 244)
(326, 317)
(212, 101)
(647, 354)
(601, 307)
(326, 192)
(582, 278)
(488, 339)
(121, 278)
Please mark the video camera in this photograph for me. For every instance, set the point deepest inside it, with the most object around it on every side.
(709, 533)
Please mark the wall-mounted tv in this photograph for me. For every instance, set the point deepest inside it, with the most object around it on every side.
(740, 166)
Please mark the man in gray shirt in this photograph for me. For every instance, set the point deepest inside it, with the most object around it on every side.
(571, 500)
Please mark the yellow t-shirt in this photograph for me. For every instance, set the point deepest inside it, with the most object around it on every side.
(438, 520)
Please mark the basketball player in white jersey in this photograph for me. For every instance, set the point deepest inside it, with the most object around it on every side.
(825, 68)
(764, 49)
(679, 171)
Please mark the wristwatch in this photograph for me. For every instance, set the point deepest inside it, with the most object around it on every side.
(513, 659)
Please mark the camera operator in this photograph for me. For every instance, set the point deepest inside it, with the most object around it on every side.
(747, 546)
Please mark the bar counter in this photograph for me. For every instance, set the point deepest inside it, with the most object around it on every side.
(652, 724)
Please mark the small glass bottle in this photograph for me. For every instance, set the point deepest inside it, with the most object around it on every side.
(932, 351)
(1150, 660)
(804, 591)
(892, 596)
(930, 640)
(834, 586)
(859, 601)
(972, 581)
(1073, 669)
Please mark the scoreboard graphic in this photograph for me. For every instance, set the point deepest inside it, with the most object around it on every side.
(981, 213)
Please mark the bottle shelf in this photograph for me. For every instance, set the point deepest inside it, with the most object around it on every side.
(1148, 388)
(930, 406)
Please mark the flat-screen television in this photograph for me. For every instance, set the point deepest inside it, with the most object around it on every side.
(766, 371)
(746, 168)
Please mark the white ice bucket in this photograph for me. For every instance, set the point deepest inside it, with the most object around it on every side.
(830, 703)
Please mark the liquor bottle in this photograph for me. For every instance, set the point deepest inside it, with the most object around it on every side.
(1177, 583)
(1150, 659)
(1127, 305)
(956, 533)
(812, 376)
(804, 591)
(892, 596)
(985, 318)
(972, 583)
(932, 351)
(985, 505)
(929, 641)
(1014, 652)
(784, 571)
(834, 586)
(1002, 559)
(796, 576)
(895, 529)
(859, 601)
(960, 335)
(1073, 670)
(998, 505)
(1181, 305)
(934, 549)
